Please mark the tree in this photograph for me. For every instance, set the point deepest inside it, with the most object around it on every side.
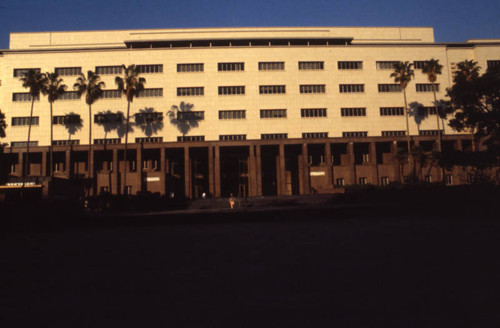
(183, 117)
(92, 87)
(53, 88)
(3, 125)
(476, 104)
(403, 74)
(467, 72)
(34, 81)
(432, 68)
(131, 86)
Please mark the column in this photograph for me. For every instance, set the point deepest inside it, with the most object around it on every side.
(328, 161)
(352, 163)
(396, 165)
(115, 178)
(306, 185)
(373, 163)
(252, 172)
(258, 169)
(138, 166)
(211, 173)
(43, 165)
(217, 186)
(67, 164)
(20, 161)
(162, 171)
(281, 171)
(187, 173)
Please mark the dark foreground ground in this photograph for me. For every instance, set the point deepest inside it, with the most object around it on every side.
(352, 266)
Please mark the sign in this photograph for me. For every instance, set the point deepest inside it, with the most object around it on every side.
(153, 179)
(317, 174)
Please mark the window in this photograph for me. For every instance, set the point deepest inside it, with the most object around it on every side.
(384, 181)
(392, 111)
(393, 133)
(233, 90)
(425, 111)
(189, 116)
(19, 72)
(386, 64)
(68, 71)
(350, 88)
(471, 178)
(273, 113)
(150, 69)
(23, 144)
(449, 179)
(313, 88)
(147, 117)
(232, 114)
(191, 138)
(21, 121)
(353, 111)
(69, 95)
(106, 94)
(228, 67)
(190, 67)
(150, 93)
(193, 91)
(107, 141)
(389, 88)
(311, 65)
(272, 89)
(350, 65)
(314, 135)
(149, 139)
(313, 112)
(428, 178)
(419, 64)
(108, 70)
(232, 137)
(428, 132)
(271, 66)
(65, 142)
(426, 87)
(23, 96)
(66, 119)
(363, 181)
(493, 63)
(268, 136)
(354, 134)
(339, 182)
(108, 118)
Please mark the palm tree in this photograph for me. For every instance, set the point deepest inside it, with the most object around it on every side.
(403, 74)
(53, 88)
(182, 117)
(469, 71)
(34, 81)
(92, 87)
(149, 121)
(131, 85)
(432, 68)
(3, 125)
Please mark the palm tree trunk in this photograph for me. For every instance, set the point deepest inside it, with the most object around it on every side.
(26, 164)
(90, 166)
(440, 145)
(51, 152)
(125, 153)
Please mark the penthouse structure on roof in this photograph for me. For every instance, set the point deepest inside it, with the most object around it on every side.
(248, 111)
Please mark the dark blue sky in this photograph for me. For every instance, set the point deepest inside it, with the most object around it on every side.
(453, 21)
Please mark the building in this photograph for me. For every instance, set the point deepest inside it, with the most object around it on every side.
(280, 110)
